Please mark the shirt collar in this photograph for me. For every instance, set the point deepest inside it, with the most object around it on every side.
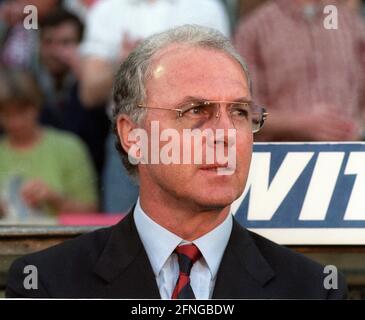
(160, 243)
(213, 244)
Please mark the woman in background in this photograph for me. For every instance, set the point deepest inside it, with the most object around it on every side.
(53, 166)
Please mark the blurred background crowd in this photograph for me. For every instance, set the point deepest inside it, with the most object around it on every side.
(56, 146)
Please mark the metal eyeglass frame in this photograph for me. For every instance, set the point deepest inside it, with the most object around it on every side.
(181, 111)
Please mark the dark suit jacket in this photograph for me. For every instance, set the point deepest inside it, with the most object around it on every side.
(112, 263)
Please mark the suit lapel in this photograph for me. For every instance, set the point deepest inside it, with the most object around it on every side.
(243, 272)
(126, 269)
(125, 266)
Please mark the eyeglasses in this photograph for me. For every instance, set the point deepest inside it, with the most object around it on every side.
(196, 114)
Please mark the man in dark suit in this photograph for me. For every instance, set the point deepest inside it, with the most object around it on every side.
(180, 240)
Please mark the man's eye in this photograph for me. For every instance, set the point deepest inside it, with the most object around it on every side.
(239, 112)
(196, 110)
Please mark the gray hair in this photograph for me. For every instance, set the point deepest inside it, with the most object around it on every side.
(129, 89)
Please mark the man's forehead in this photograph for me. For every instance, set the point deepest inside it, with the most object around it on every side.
(178, 56)
(186, 67)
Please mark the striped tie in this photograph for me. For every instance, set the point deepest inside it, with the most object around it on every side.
(187, 255)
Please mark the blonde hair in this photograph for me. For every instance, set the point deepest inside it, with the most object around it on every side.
(19, 88)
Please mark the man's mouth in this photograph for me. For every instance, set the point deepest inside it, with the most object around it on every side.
(213, 167)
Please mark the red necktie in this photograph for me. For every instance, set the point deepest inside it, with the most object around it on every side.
(187, 255)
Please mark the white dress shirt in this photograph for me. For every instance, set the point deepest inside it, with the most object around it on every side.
(160, 243)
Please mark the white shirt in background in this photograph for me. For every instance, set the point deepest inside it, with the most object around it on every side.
(110, 20)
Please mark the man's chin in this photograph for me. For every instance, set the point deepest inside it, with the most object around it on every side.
(215, 201)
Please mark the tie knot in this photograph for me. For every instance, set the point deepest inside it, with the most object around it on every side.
(187, 255)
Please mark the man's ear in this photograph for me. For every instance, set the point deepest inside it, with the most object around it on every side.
(125, 127)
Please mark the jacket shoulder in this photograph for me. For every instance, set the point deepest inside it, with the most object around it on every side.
(72, 261)
(302, 275)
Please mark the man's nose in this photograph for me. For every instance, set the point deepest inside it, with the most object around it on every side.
(222, 125)
(222, 118)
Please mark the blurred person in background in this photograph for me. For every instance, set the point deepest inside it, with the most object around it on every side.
(53, 166)
(352, 4)
(246, 7)
(113, 29)
(18, 46)
(60, 35)
(79, 7)
(311, 79)
(356, 5)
